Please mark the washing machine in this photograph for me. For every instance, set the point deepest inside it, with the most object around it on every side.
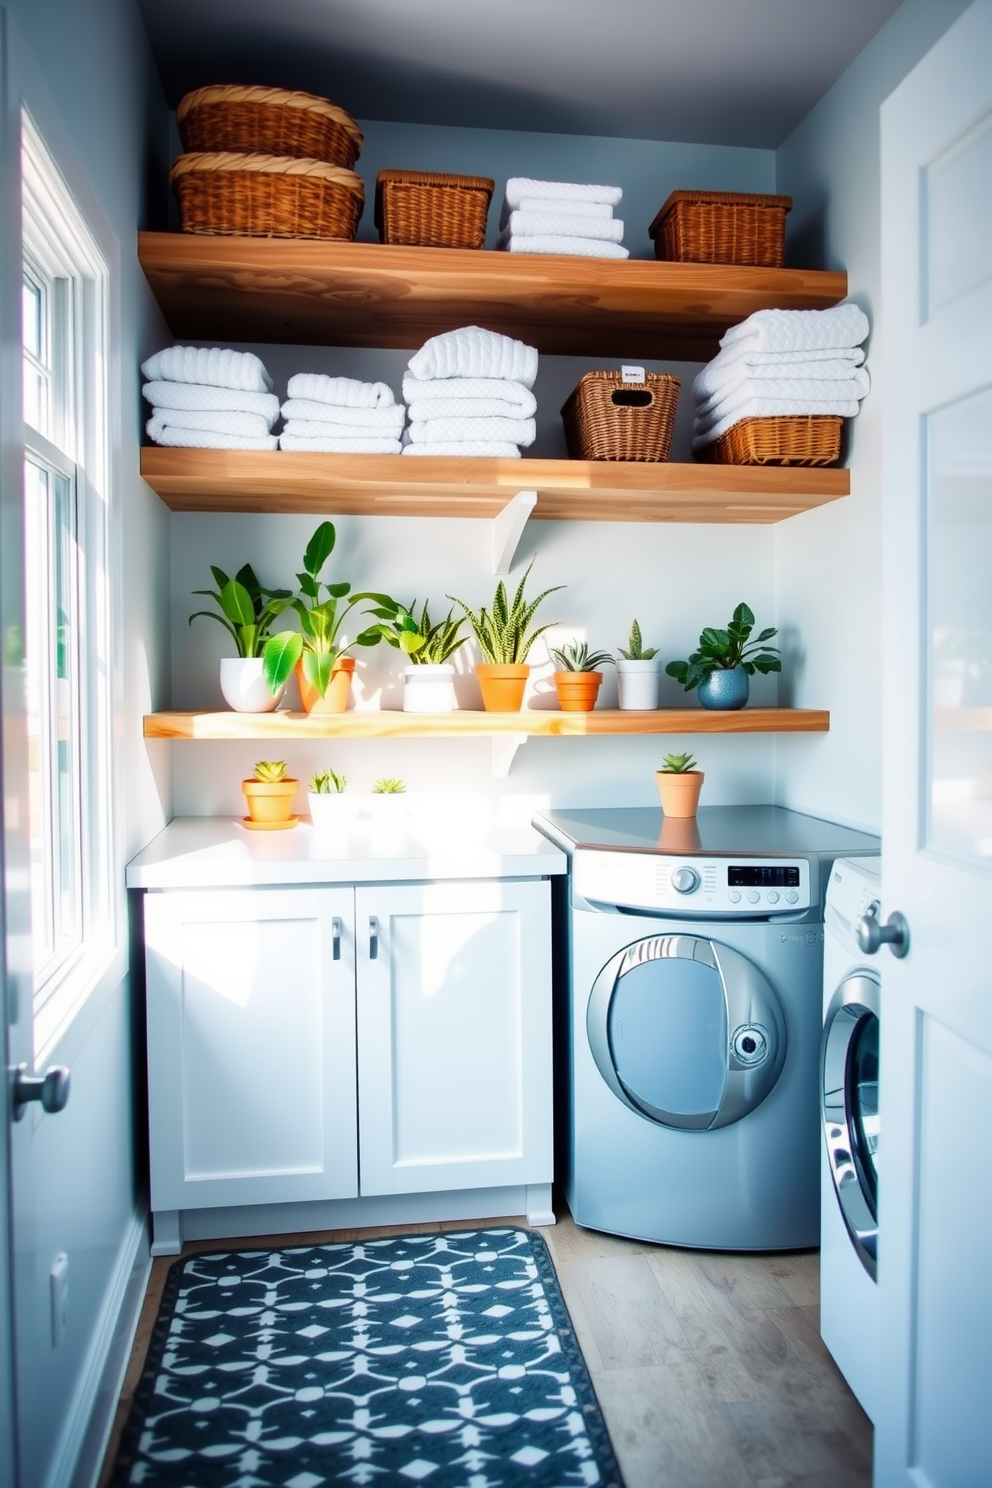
(690, 1010)
(849, 1150)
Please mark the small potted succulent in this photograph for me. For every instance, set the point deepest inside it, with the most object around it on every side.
(726, 660)
(270, 793)
(429, 679)
(577, 681)
(637, 674)
(329, 806)
(247, 612)
(505, 634)
(679, 784)
(387, 803)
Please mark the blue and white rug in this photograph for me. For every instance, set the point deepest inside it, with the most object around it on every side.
(447, 1360)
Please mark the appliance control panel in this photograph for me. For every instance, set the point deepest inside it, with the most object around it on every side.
(725, 886)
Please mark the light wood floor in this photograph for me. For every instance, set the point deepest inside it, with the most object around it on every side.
(709, 1367)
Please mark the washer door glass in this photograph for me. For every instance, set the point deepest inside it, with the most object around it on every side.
(850, 1108)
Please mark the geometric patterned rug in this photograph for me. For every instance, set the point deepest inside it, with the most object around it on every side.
(444, 1360)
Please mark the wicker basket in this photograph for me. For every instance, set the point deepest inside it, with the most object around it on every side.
(268, 121)
(606, 418)
(812, 439)
(427, 210)
(726, 227)
(266, 196)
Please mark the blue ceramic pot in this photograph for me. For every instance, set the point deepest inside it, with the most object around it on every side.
(726, 690)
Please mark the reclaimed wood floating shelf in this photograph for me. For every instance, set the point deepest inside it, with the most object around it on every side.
(544, 723)
(373, 294)
(438, 486)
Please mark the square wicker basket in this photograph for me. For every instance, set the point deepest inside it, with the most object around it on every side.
(427, 210)
(267, 196)
(811, 439)
(606, 418)
(724, 227)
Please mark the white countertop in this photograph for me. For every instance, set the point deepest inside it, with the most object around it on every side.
(218, 852)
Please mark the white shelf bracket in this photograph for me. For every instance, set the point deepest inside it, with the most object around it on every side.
(508, 529)
(505, 747)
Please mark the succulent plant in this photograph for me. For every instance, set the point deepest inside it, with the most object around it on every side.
(504, 633)
(575, 656)
(424, 641)
(327, 783)
(636, 650)
(270, 772)
(388, 786)
(678, 764)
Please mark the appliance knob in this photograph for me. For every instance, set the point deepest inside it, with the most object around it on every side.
(792, 897)
(773, 896)
(685, 880)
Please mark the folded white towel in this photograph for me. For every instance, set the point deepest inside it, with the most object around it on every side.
(441, 389)
(770, 408)
(250, 425)
(575, 247)
(487, 448)
(473, 352)
(518, 187)
(345, 392)
(467, 408)
(338, 445)
(384, 422)
(199, 396)
(799, 330)
(203, 439)
(562, 225)
(551, 204)
(796, 389)
(725, 371)
(451, 430)
(212, 365)
(321, 429)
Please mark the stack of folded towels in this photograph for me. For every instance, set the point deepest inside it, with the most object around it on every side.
(339, 415)
(468, 392)
(781, 363)
(210, 398)
(561, 217)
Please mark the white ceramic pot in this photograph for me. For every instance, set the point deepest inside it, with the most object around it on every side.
(387, 808)
(429, 688)
(330, 812)
(244, 687)
(637, 684)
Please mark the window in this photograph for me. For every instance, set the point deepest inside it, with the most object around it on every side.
(65, 297)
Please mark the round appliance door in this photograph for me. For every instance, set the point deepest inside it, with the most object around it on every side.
(686, 1032)
(850, 1108)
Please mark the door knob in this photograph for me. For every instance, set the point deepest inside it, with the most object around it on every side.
(51, 1088)
(872, 935)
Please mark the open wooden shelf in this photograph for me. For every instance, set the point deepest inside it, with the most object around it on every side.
(440, 486)
(534, 722)
(372, 294)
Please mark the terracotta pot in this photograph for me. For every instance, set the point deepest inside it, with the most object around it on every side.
(502, 686)
(679, 793)
(577, 691)
(270, 800)
(679, 834)
(335, 700)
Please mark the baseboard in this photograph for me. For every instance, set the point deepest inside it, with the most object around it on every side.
(79, 1455)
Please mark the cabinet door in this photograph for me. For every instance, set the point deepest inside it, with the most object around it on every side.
(251, 1046)
(454, 1035)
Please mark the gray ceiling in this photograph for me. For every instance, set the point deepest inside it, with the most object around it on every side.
(741, 72)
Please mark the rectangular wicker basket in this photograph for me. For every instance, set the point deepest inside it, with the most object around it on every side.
(606, 418)
(812, 439)
(267, 196)
(725, 227)
(267, 121)
(428, 210)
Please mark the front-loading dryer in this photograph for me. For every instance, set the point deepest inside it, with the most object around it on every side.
(850, 1121)
(692, 1017)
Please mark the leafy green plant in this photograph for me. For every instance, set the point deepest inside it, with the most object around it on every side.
(422, 641)
(327, 783)
(678, 764)
(504, 633)
(575, 656)
(270, 772)
(388, 786)
(247, 612)
(723, 650)
(636, 650)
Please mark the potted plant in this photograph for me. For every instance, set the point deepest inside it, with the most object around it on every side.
(679, 784)
(637, 674)
(388, 800)
(246, 611)
(429, 679)
(505, 636)
(577, 681)
(329, 806)
(726, 660)
(270, 792)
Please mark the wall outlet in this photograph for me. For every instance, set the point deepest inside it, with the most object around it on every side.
(58, 1280)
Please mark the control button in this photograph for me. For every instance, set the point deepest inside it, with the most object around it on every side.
(753, 896)
(734, 896)
(773, 896)
(792, 897)
(685, 880)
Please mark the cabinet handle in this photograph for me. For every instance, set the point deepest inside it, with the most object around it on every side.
(335, 939)
(373, 938)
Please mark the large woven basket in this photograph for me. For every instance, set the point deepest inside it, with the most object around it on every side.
(266, 196)
(726, 227)
(268, 121)
(606, 418)
(812, 439)
(429, 210)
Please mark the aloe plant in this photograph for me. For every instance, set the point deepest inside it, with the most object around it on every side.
(270, 772)
(423, 641)
(575, 656)
(504, 632)
(327, 783)
(388, 786)
(636, 649)
(247, 612)
(723, 650)
(678, 764)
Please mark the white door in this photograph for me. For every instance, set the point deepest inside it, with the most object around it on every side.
(454, 1035)
(934, 1426)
